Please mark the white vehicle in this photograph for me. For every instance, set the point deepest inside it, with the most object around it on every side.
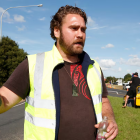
(126, 85)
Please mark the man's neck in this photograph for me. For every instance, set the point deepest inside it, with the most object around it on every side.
(71, 59)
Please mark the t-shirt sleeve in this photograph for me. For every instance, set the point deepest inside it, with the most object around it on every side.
(105, 92)
(18, 82)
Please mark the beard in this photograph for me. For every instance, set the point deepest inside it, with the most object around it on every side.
(70, 49)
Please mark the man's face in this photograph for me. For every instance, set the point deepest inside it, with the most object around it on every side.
(72, 34)
(135, 75)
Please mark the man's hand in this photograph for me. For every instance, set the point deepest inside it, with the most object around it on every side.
(112, 130)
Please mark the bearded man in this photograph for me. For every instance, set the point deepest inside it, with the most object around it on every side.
(65, 93)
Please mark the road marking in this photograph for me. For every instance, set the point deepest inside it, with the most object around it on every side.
(19, 104)
(113, 91)
(118, 94)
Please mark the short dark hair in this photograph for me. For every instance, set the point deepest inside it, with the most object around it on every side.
(61, 13)
(135, 73)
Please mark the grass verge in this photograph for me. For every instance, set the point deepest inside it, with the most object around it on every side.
(128, 120)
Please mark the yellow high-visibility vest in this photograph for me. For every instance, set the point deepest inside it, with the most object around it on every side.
(40, 109)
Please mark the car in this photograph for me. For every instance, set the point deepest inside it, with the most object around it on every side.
(115, 83)
(126, 86)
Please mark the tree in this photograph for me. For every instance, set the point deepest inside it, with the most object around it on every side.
(108, 79)
(113, 79)
(127, 77)
(10, 57)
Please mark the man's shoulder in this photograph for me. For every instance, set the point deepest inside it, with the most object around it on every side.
(39, 53)
(87, 57)
(135, 78)
(42, 54)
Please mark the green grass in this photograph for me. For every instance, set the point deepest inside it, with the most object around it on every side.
(128, 120)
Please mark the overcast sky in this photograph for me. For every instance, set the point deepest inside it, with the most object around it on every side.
(112, 36)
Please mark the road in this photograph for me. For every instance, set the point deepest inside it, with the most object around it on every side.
(11, 124)
(116, 92)
(12, 121)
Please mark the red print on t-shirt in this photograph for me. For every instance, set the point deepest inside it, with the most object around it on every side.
(78, 79)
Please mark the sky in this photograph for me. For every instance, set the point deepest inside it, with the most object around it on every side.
(112, 36)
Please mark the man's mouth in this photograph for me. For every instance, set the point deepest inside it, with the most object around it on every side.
(79, 43)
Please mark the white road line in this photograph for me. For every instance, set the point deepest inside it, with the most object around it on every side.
(113, 91)
(19, 104)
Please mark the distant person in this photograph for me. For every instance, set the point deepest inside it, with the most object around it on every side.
(135, 81)
(132, 74)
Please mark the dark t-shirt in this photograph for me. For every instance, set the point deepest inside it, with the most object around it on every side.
(135, 83)
(77, 116)
(132, 91)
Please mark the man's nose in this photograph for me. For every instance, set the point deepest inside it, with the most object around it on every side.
(79, 34)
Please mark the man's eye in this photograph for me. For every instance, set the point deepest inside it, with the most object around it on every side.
(74, 28)
(83, 30)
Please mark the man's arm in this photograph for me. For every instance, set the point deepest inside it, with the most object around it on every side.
(7, 99)
(107, 109)
(112, 129)
(131, 80)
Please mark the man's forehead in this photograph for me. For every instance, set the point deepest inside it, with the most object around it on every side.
(73, 19)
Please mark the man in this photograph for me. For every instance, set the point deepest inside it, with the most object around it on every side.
(64, 89)
(135, 81)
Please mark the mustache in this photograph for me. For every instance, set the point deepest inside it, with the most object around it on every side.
(79, 41)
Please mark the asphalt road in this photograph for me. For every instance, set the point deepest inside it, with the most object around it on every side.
(11, 124)
(12, 121)
(116, 92)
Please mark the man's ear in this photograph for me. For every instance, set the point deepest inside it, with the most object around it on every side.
(56, 32)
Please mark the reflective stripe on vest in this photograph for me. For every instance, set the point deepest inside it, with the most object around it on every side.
(99, 74)
(41, 103)
(40, 111)
(41, 122)
(95, 85)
